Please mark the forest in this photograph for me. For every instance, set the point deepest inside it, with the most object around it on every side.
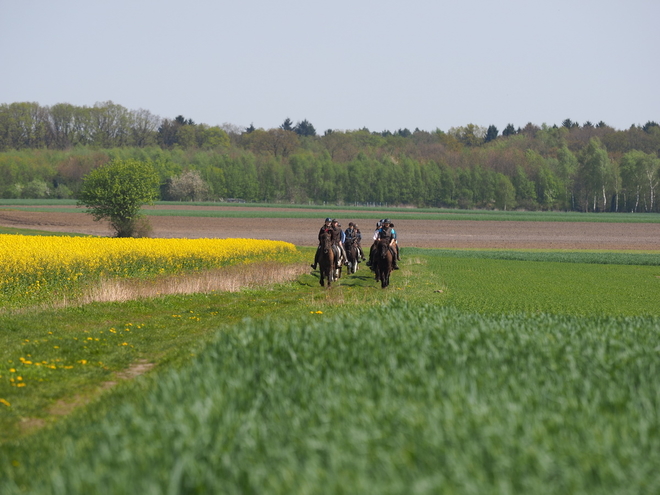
(46, 151)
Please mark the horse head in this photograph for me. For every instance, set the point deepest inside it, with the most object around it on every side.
(326, 244)
(383, 248)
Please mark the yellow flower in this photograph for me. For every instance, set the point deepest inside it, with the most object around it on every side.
(3, 401)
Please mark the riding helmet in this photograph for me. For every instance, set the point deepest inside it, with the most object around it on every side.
(328, 220)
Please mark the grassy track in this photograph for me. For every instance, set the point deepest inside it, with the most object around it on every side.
(476, 372)
(13, 231)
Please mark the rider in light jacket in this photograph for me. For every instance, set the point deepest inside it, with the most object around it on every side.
(384, 232)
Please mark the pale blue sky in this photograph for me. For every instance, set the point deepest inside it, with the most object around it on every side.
(342, 64)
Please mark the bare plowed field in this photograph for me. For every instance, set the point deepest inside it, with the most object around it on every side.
(416, 233)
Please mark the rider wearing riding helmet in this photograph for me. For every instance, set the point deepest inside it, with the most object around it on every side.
(396, 242)
(353, 235)
(389, 234)
(379, 224)
(339, 242)
(325, 229)
(385, 232)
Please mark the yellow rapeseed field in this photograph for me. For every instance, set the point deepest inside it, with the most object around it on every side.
(33, 267)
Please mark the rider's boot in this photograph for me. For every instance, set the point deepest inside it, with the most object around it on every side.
(395, 265)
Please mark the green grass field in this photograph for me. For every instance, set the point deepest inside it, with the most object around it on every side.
(358, 212)
(475, 372)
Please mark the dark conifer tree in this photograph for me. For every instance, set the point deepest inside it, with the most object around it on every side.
(491, 134)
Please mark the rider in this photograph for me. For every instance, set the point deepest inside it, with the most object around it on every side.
(379, 224)
(327, 228)
(339, 242)
(396, 242)
(385, 233)
(353, 235)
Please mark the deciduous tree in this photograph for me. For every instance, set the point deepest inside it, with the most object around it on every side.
(189, 186)
(595, 173)
(117, 191)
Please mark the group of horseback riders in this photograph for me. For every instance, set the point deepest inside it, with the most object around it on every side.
(339, 238)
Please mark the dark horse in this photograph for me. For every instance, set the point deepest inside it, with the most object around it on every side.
(350, 246)
(326, 260)
(383, 262)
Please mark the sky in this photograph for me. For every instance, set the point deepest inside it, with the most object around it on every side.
(341, 65)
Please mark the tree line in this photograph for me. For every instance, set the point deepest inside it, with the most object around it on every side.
(46, 152)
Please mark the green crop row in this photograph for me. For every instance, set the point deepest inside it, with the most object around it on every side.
(244, 210)
(595, 257)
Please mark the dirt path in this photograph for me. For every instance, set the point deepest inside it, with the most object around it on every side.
(415, 233)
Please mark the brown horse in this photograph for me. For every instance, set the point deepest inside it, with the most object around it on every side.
(350, 246)
(326, 260)
(383, 262)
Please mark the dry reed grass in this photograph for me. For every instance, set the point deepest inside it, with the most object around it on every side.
(229, 279)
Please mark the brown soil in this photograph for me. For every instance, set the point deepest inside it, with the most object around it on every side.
(416, 233)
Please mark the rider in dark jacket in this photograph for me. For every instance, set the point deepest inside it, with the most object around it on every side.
(379, 224)
(327, 228)
(354, 235)
(338, 242)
